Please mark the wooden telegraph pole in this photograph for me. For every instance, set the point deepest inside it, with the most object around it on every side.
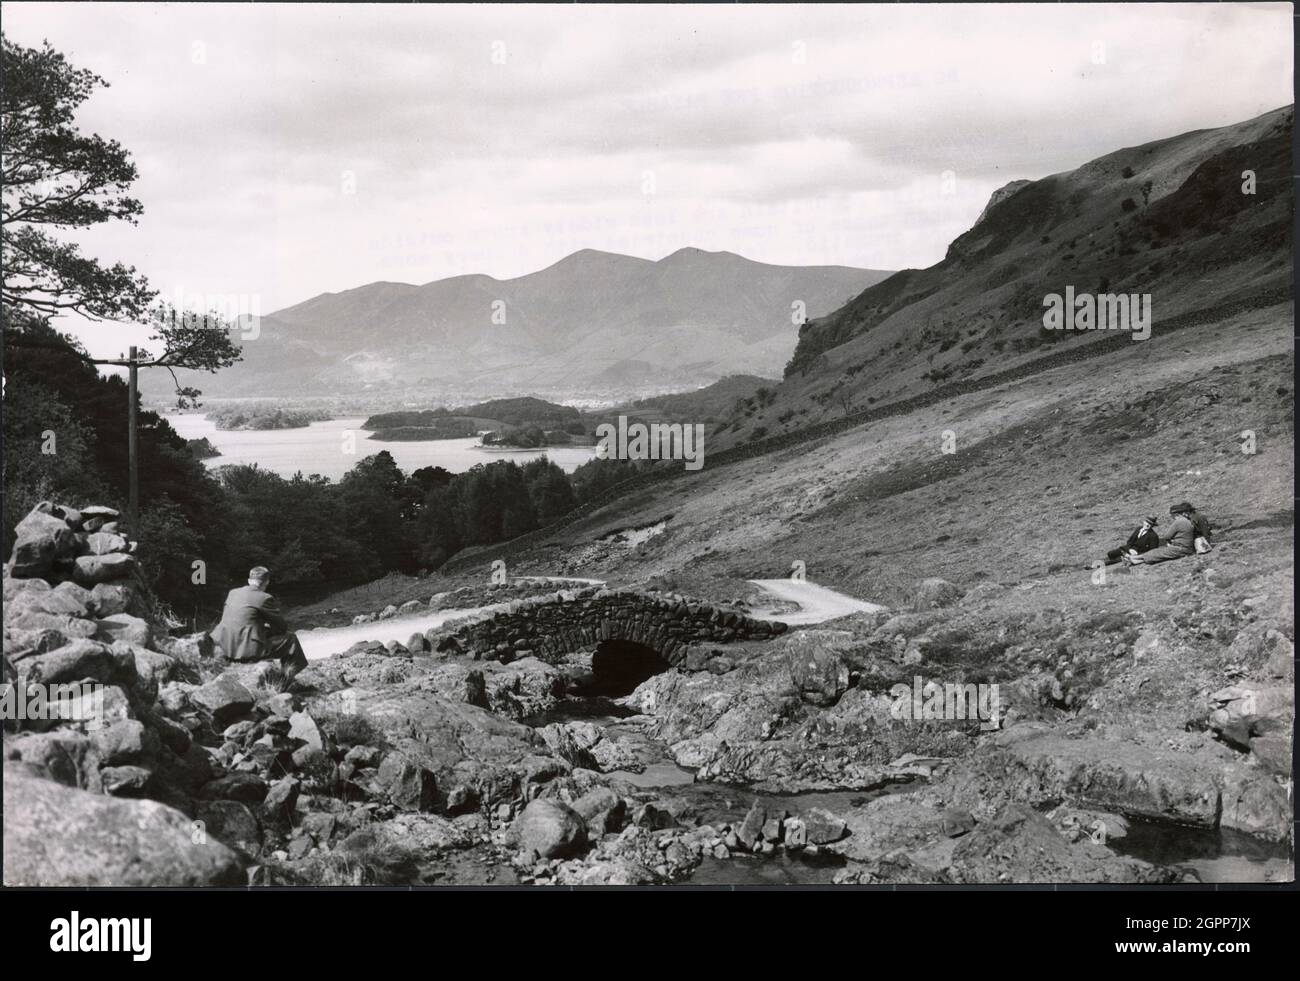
(132, 455)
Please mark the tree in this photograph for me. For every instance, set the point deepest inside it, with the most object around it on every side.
(55, 177)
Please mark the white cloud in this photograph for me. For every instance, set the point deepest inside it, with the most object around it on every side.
(244, 118)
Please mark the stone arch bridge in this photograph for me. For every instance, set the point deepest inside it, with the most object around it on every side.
(550, 626)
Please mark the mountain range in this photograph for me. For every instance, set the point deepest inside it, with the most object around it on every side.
(592, 323)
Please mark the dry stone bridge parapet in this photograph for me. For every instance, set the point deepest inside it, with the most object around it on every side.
(550, 626)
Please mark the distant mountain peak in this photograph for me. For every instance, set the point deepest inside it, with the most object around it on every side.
(593, 323)
(691, 252)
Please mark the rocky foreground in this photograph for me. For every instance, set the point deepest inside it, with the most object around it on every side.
(435, 761)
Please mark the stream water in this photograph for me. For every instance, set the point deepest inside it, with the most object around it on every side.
(1220, 855)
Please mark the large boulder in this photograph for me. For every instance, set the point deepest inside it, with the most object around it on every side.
(40, 539)
(92, 569)
(550, 829)
(58, 836)
(66, 600)
(67, 626)
(817, 667)
(63, 755)
(458, 743)
(77, 660)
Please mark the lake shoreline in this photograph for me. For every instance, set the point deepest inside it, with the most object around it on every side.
(332, 447)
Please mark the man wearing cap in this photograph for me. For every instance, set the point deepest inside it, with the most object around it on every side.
(1179, 543)
(252, 628)
(1143, 539)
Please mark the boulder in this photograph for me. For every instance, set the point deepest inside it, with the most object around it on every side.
(407, 785)
(364, 756)
(1017, 844)
(601, 810)
(40, 540)
(817, 668)
(549, 829)
(125, 781)
(172, 734)
(101, 512)
(152, 669)
(280, 801)
(66, 599)
(92, 569)
(126, 741)
(224, 698)
(303, 726)
(124, 627)
(63, 755)
(231, 823)
(103, 543)
(77, 660)
(821, 827)
(65, 626)
(190, 770)
(750, 832)
(108, 598)
(20, 644)
(58, 836)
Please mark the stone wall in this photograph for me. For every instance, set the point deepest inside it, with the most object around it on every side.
(114, 726)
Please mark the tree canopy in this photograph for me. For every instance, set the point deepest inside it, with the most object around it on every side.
(56, 179)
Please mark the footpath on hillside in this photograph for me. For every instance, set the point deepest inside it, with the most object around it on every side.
(817, 604)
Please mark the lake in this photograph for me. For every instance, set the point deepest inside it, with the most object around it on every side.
(322, 448)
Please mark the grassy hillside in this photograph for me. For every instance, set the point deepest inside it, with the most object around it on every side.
(1167, 218)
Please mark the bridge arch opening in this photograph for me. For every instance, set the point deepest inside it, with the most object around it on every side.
(619, 666)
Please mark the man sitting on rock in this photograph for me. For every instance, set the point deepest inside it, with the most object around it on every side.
(253, 629)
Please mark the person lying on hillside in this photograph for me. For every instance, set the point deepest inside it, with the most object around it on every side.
(252, 628)
(1188, 526)
(1143, 539)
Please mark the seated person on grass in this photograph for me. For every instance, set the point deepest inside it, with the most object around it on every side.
(1143, 539)
(1188, 526)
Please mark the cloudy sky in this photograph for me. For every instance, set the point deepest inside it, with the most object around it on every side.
(286, 151)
